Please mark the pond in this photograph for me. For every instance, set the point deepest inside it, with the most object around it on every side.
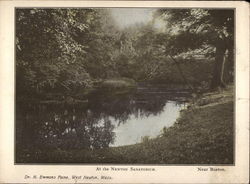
(106, 119)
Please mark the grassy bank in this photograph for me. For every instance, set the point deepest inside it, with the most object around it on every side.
(203, 134)
(117, 83)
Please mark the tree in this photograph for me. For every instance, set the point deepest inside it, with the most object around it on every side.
(61, 49)
(190, 29)
(48, 47)
(141, 57)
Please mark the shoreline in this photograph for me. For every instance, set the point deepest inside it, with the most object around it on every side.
(203, 134)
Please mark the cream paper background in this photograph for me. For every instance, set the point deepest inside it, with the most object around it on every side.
(11, 173)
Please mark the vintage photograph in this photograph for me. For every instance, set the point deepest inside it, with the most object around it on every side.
(125, 86)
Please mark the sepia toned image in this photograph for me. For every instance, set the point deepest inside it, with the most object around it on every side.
(125, 86)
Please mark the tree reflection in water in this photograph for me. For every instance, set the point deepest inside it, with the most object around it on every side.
(82, 126)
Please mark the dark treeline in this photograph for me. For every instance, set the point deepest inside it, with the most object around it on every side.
(70, 50)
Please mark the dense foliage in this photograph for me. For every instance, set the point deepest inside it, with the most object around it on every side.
(60, 49)
(77, 73)
(210, 32)
(69, 50)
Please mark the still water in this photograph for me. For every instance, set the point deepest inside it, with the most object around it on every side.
(137, 127)
(106, 119)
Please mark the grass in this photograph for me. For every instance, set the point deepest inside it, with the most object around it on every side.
(118, 83)
(203, 134)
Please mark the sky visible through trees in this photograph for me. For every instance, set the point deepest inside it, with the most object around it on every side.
(126, 17)
(83, 72)
(75, 49)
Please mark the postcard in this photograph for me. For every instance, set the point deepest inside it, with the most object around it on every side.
(124, 92)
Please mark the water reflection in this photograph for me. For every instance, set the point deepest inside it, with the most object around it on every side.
(139, 126)
(105, 120)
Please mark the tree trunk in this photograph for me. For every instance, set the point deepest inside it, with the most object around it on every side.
(220, 59)
(231, 62)
(182, 74)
